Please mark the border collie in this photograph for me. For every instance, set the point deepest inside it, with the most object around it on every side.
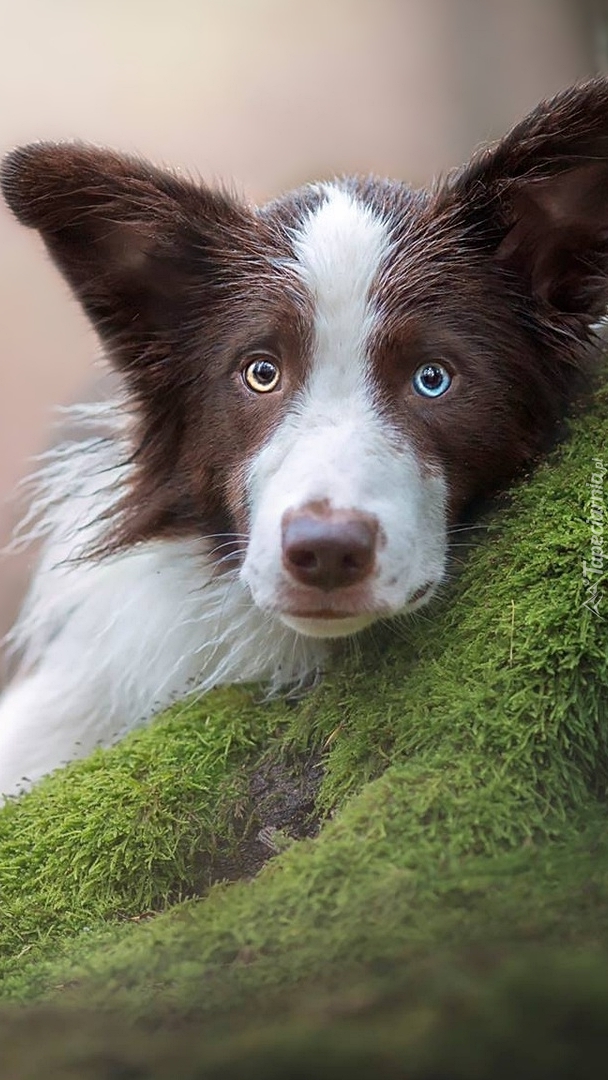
(312, 394)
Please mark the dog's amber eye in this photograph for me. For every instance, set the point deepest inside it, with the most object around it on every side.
(262, 375)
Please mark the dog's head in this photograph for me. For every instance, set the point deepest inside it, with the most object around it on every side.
(322, 385)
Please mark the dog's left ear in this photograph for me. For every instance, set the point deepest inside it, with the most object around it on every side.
(539, 197)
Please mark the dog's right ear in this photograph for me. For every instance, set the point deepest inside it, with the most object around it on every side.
(143, 249)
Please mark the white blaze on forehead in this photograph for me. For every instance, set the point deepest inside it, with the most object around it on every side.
(332, 424)
(339, 250)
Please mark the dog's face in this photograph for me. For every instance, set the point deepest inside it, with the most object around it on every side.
(365, 452)
(321, 386)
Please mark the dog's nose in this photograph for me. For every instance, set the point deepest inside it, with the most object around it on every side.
(331, 549)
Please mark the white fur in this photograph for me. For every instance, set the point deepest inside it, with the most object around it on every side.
(335, 444)
(105, 645)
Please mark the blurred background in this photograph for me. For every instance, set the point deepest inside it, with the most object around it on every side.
(268, 93)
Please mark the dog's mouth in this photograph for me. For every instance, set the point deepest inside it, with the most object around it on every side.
(331, 622)
(328, 625)
(420, 594)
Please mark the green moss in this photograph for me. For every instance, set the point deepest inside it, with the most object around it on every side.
(131, 828)
(535, 1014)
(465, 760)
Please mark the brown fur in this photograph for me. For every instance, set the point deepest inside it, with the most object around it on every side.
(498, 273)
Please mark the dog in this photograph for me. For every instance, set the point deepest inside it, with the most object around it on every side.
(312, 394)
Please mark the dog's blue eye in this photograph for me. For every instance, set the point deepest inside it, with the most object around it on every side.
(262, 375)
(432, 380)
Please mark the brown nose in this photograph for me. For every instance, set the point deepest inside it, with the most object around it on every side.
(331, 549)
